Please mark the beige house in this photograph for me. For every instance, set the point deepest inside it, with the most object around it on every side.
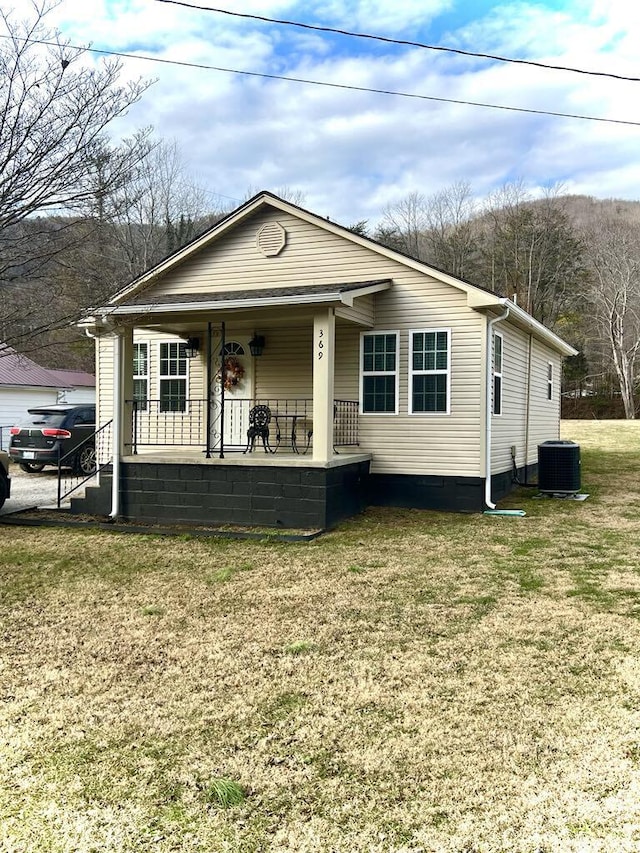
(284, 371)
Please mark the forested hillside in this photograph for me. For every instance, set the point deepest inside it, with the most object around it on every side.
(81, 215)
(571, 261)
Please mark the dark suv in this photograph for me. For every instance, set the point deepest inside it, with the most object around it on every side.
(51, 434)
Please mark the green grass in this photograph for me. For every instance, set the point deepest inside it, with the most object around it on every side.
(223, 793)
(411, 682)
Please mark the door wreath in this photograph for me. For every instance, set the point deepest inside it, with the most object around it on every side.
(233, 372)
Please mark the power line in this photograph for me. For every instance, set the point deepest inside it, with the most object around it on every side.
(343, 86)
(388, 40)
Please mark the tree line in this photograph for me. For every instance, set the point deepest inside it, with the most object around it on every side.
(81, 215)
(578, 274)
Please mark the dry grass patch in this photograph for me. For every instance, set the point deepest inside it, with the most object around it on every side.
(410, 682)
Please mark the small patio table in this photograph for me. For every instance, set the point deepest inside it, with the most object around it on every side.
(290, 431)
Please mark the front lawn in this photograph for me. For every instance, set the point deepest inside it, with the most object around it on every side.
(412, 681)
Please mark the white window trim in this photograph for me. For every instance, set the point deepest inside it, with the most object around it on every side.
(144, 376)
(439, 372)
(499, 373)
(549, 382)
(162, 376)
(396, 372)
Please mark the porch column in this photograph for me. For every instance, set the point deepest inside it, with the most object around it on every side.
(324, 338)
(126, 379)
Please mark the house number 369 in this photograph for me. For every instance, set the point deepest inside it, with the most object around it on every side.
(320, 344)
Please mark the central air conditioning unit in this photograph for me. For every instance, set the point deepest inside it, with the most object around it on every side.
(559, 467)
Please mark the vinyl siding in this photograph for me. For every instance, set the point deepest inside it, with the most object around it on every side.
(105, 366)
(442, 445)
(363, 311)
(524, 396)
(544, 421)
(284, 369)
(14, 403)
(196, 390)
(425, 444)
(434, 444)
(510, 427)
(104, 372)
(311, 256)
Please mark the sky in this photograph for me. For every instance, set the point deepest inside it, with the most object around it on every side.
(347, 154)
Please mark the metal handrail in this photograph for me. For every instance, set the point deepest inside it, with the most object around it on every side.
(100, 440)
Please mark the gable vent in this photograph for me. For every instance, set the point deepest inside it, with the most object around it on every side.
(271, 239)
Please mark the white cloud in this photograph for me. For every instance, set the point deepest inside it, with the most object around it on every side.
(379, 17)
(353, 152)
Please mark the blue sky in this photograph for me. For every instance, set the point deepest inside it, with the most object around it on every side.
(351, 153)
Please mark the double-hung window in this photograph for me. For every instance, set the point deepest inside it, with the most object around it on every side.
(498, 351)
(141, 376)
(173, 377)
(429, 371)
(379, 381)
(549, 381)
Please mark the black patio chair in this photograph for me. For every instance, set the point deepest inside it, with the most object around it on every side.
(259, 420)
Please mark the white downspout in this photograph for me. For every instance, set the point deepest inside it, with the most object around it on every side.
(117, 428)
(489, 408)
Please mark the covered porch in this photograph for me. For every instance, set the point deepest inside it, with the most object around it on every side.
(197, 368)
(187, 445)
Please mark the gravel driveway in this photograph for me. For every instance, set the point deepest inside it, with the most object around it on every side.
(33, 490)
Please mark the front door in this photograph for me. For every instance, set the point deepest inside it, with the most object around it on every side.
(238, 393)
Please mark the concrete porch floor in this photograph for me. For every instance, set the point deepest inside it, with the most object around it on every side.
(280, 459)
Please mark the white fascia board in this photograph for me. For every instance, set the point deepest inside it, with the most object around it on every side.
(189, 249)
(536, 328)
(542, 332)
(477, 298)
(224, 304)
(348, 296)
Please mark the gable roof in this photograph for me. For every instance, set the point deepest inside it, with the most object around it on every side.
(131, 299)
(267, 199)
(74, 378)
(17, 370)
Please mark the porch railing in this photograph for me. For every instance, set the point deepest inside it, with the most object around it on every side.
(184, 423)
(96, 449)
(158, 423)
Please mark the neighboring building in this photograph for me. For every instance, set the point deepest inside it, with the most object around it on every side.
(24, 384)
(75, 386)
(387, 381)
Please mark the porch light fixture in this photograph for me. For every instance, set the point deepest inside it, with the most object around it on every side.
(192, 347)
(256, 345)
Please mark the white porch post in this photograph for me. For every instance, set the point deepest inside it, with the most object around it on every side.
(324, 338)
(126, 378)
(121, 431)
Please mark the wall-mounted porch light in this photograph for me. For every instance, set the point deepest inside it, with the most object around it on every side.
(256, 345)
(192, 347)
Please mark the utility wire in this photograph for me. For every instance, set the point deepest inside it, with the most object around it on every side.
(343, 86)
(389, 40)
